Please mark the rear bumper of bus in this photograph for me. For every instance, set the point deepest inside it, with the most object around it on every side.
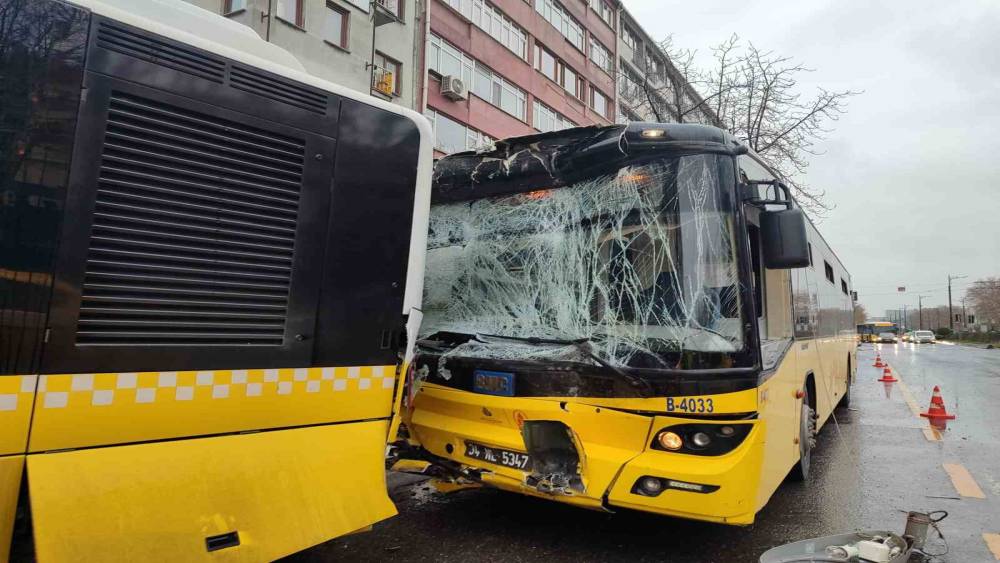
(613, 447)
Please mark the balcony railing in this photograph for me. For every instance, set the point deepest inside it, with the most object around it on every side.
(391, 6)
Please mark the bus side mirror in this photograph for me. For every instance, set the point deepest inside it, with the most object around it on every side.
(783, 234)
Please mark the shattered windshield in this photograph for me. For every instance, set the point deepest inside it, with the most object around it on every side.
(641, 263)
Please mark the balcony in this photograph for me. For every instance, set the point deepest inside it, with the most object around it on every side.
(391, 6)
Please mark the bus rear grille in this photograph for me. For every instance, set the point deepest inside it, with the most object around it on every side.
(167, 53)
(194, 230)
(274, 88)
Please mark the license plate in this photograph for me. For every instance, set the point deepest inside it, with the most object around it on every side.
(493, 382)
(498, 456)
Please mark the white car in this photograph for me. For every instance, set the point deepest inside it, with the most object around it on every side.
(887, 337)
(923, 337)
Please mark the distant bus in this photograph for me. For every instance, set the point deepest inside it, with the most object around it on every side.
(869, 331)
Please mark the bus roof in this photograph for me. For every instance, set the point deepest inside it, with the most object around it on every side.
(560, 158)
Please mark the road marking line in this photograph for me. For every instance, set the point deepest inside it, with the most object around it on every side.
(993, 542)
(963, 481)
(932, 434)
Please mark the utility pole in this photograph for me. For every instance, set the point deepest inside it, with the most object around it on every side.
(920, 304)
(951, 315)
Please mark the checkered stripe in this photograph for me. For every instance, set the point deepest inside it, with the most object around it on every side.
(16, 390)
(149, 387)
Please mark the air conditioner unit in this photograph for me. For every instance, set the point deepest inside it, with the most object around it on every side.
(453, 88)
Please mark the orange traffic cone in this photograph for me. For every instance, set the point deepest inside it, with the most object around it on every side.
(937, 410)
(887, 376)
(878, 361)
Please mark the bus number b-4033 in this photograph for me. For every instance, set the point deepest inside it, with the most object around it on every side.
(690, 404)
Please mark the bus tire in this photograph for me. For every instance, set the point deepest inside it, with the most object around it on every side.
(807, 438)
(845, 401)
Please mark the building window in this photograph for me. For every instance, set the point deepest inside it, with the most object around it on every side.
(495, 23)
(628, 37)
(290, 11)
(335, 25)
(446, 60)
(555, 14)
(545, 62)
(600, 55)
(394, 7)
(230, 6)
(604, 10)
(387, 76)
(599, 102)
(547, 119)
(451, 136)
(496, 90)
(557, 71)
(654, 67)
(843, 286)
(829, 271)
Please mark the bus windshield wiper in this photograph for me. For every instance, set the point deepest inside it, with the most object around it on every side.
(586, 347)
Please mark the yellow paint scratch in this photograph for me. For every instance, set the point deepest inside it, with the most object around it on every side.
(963, 481)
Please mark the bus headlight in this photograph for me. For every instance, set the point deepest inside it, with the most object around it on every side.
(702, 439)
(670, 440)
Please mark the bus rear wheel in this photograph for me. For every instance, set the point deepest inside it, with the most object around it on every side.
(807, 438)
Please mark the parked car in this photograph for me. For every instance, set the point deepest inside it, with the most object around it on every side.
(923, 337)
(887, 337)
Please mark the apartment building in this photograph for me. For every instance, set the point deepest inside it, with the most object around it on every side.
(498, 68)
(364, 45)
(482, 69)
(650, 88)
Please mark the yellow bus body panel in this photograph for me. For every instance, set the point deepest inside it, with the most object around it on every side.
(281, 491)
(10, 484)
(17, 395)
(82, 410)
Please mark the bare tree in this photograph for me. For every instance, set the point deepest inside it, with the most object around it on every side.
(860, 315)
(756, 96)
(984, 295)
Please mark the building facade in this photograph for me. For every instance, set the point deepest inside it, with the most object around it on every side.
(483, 69)
(333, 39)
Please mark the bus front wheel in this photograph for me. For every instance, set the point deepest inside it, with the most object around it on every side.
(807, 438)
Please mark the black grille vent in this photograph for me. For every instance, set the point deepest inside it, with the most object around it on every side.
(194, 230)
(277, 89)
(157, 51)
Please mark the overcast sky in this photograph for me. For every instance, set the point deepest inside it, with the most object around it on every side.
(913, 168)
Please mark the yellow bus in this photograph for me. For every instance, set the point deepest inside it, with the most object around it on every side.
(869, 331)
(205, 287)
(626, 317)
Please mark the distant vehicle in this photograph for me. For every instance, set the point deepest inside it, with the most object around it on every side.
(923, 337)
(887, 337)
(907, 336)
(869, 331)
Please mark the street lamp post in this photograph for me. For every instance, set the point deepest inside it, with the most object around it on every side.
(951, 315)
(920, 304)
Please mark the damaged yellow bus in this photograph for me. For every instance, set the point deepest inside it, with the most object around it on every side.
(626, 317)
(206, 283)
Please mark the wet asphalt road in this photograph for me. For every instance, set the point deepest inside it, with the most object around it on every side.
(876, 463)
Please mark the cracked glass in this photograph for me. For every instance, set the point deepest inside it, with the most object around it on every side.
(640, 264)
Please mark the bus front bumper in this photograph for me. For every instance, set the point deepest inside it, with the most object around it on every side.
(613, 449)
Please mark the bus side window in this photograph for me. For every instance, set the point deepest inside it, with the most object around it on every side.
(758, 279)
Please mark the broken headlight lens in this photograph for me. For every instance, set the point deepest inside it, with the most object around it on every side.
(702, 439)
